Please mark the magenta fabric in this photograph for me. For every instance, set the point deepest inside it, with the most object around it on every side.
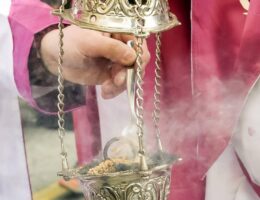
(27, 18)
(248, 59)
(209, 65)
(87, 129)
(250, 181)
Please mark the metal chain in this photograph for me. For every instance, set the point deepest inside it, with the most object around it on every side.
(60, 104)
(139, 85)
(140, 102)
(157, 90)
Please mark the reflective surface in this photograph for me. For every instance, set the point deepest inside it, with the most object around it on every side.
(120, 16)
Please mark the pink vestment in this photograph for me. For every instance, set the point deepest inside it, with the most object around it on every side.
(209, 64)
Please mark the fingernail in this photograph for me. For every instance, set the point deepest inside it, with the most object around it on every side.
(107, 90)
(120, 78)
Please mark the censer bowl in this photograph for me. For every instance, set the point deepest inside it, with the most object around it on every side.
(131, 184)
(150, 185)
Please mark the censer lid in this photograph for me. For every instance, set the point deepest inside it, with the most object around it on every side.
(119, 16)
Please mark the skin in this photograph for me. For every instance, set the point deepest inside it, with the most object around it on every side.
(92, 58)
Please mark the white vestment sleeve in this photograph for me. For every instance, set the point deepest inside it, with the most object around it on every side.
(226, 180)
(14, 180)
(112, 121)
(247, 136)
(224, 177)
(6, 49)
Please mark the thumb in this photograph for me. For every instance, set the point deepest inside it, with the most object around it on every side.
(112, 49)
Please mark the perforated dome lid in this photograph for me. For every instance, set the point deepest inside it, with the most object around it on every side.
(121, 16)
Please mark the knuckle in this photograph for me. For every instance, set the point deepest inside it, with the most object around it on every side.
(113, 46)
(129, 57)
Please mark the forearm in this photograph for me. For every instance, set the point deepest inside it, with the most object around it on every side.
(29, 72)
(44, 84)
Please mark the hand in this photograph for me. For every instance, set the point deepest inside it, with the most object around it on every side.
(92, 58)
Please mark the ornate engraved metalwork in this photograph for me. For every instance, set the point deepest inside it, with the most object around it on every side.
(120, 15)
(125, 8)
(139, 17)
(152, 187)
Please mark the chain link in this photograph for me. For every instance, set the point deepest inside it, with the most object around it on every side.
(139, 90)
(139, 85)
(60, 104)
(157, 90)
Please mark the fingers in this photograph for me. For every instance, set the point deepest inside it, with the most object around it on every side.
(93, 58)
(120, 78)
(118, 75)
(116, 84)
(110, 90)
(93, 76)
(125, 38)
(117, 52)
(112, 49)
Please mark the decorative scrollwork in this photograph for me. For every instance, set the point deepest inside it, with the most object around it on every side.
(124, 7)
(166, 189)
(155, 188)
(121, 16)
(134, 192)
(108, 193)
(151, 191)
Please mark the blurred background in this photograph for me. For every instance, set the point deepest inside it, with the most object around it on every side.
(42, 148)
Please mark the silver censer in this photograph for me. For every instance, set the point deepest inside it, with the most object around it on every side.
(150, 179)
